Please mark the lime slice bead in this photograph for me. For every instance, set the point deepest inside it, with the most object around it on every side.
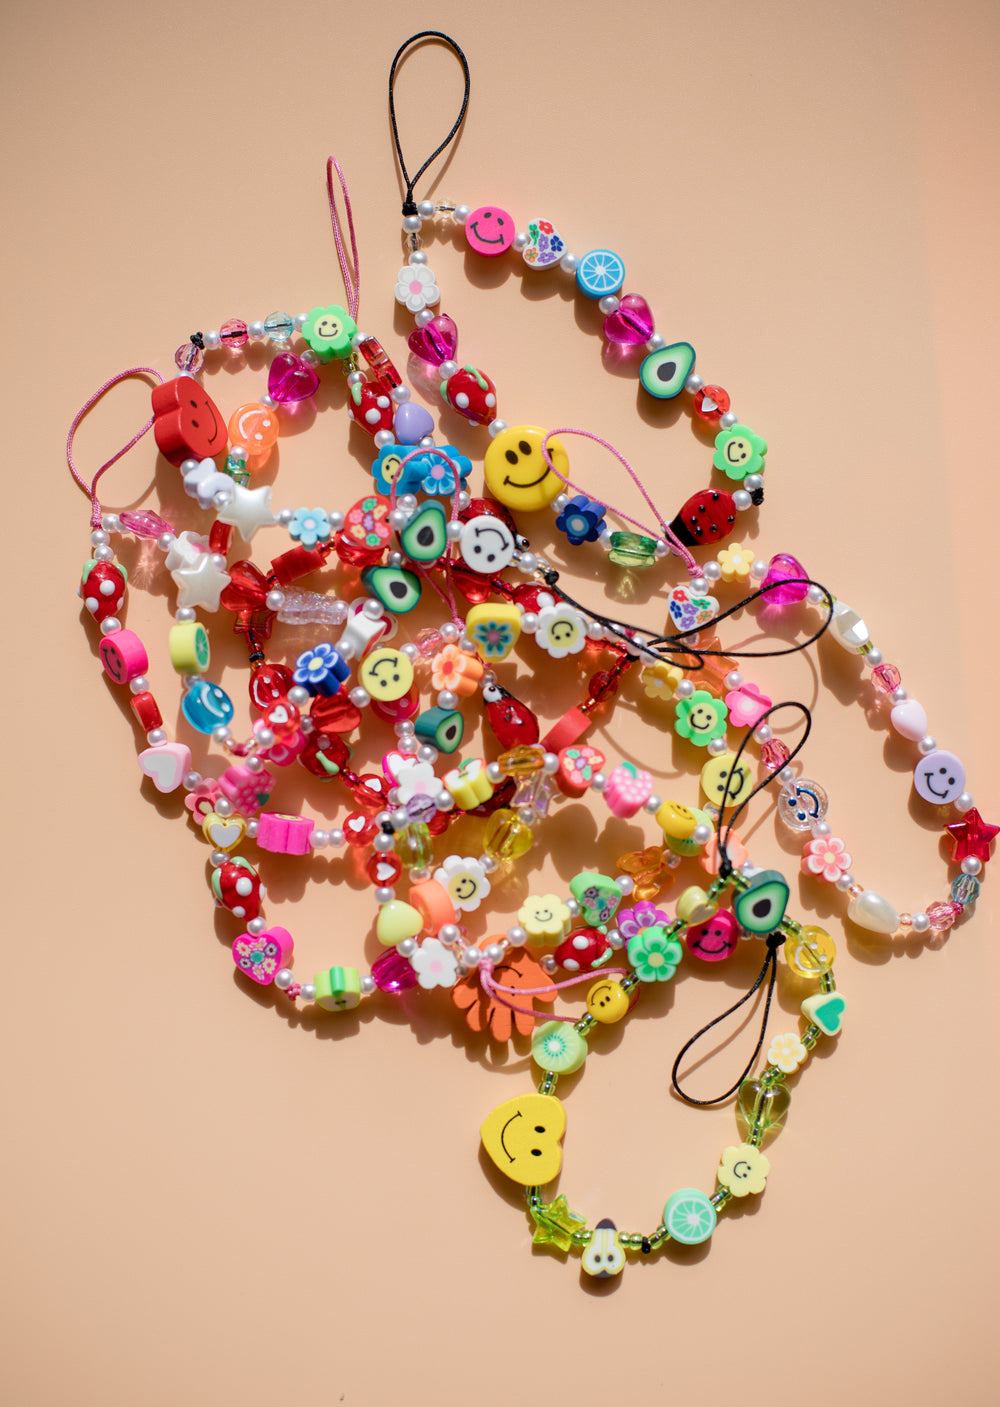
(689, 1216)
(558, 1046)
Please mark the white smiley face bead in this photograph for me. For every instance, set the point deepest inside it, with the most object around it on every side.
(487, 544)
(387, 675)
(939, 777)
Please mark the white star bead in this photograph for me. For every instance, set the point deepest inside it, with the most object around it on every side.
(200, 583)
(248, 510)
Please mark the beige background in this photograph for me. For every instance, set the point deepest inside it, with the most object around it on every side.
(207, 1203)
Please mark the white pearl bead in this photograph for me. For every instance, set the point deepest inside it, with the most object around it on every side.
(417, 257)
(447, 699)
(265, 737)
(734, 679)
(425, 209)
(815, 595)
(254, 764)
(412, 224)
(652, 804)
(527, 562)
(218, 858)
(742, 500)
(845, 881)
(359, 697)
(308, 992)
(873, 657)
(752, 482)
(255, 331)
(717, 747)
(786, 776)
(712, 571)
(355, 378)
(920, 923)
(699, 585)
(728, 419)
(283, 978)
(655, 342)
(444, 801)
(274, 600)
(517, 935)
(625, 883)
(156, 737)
(384, 894)
(471, 957)
(694, 383)
(559, 502)
(971, 865)
(252, 828)
(319, 839)
(298, 694)
(661, 549)
(965, 802)
(447, 369)
(926, 744)
(381, 438)
(461, 213)
(493, 952)
(763, 733)
(368, 986)
(758, 569)
(110, 626)
(400, 394)
(609, 304)
(98, 537)
(684, 689)
(496, 427)
(103, 553)
(568, 263)
(337, 837)
(702, 833)
(598, 781)
(899, 695)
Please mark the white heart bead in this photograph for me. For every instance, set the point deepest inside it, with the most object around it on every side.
(847, 627)
(870, 910)
(909, 719)
(166, 765)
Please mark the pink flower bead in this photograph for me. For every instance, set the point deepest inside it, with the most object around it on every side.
(627, 790)
(284, 835)
(826, 858)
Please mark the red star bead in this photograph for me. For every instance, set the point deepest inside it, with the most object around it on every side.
(972, 836)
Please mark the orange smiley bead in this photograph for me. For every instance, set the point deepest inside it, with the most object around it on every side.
(254, 427)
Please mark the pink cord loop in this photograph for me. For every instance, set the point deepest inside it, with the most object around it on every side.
(352, 278)
(497, 990)
(91, 489)
(665, 530)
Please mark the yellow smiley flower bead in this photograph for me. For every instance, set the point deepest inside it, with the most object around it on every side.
(743, 1170)
(544, 917)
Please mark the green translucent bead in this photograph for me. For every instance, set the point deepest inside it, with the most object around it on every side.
(632, 550)
(761, 1110)
(414, 846)
(582, 1238)
(507, 836)
(810, 1036)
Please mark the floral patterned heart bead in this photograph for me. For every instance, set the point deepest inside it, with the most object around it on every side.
(598, 896)
(260, 956)
(577, 767)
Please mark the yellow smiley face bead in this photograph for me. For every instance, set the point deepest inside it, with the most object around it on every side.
(811, 952)
(516, 473)
(607, 1002)
(522, 1137)
(677, 822)
(386, 674)
(716, 784)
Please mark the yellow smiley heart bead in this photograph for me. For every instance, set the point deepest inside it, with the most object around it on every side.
(522, 1137)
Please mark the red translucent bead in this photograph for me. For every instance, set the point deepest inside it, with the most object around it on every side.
(219, 537)
(774, 754)
(335, 714)
(269, 683)
(382, 369)
(356, 553)
(602, 685)
(439, 822)
(569, 730)
(396, 710)
(147, 711)
(359, 830)
(885, 678)
(383, 869)
(283, 718)
(711, 403)
(371, 791)
(299, 562)
(325, 755)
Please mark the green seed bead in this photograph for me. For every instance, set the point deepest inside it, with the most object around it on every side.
(810, 1036)
(548, 1084)
(827, 982)
(585, 1024)
(720, 1197)
(582, 1238)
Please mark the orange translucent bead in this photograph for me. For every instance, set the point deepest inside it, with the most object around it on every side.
(254, 427)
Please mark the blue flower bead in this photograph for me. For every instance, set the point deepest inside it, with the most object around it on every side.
(582, 520)
(321, 670)
(309, 526)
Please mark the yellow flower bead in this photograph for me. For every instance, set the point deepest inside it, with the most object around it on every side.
(660, 680)
(786, 1052)
(743, 1170)
(735, 563)
(544, 917)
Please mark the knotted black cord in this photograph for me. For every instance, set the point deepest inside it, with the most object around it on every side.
(409, 205)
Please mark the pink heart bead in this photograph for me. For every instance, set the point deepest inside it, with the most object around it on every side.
(631, 324)
(291, 379)
(781, 569)
(435, 343)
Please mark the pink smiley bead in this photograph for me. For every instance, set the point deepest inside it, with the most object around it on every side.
(124, 656)
(284, 835)
(715, 939)
(490, 230)
(627, 790)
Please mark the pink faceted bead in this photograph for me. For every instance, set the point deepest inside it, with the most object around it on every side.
(774, 754)
(885, 678)
(393, 973)
(435, 343)
(234, 333)
(189, 359)
(943, 915)
(144, 523)
(631, 324)
(781, 568)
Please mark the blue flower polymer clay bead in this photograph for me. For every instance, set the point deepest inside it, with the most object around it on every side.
(309, 526)
(321, 670)
(582, 520)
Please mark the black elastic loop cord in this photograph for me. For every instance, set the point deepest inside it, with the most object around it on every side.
(669, 647)
(725, 864)
(409, 206)
(770, 965)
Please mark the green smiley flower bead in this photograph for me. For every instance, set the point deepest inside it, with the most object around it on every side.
(739, 452)
(701, 718)
(654, 954)
(329, 331)
(558, 1047)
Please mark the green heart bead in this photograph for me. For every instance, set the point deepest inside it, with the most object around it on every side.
(825, 1011)
(761, 1106)
(598, 896)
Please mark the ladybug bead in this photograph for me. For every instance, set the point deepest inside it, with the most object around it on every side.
(708, 516)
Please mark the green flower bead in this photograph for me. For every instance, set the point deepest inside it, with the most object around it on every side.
(559, 1047)
(739, 452)
(329, 331)
(701, 718)
(654, 954)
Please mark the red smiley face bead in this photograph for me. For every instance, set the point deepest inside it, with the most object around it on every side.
(472, 394)
(715, 939)
(490, 230)
(187, 424)
(708, 516)
(269, 683)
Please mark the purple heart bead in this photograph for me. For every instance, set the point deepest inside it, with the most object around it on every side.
(291, 379)
(435, 343)
(631, 324)
(781, 568)
(412, 423)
